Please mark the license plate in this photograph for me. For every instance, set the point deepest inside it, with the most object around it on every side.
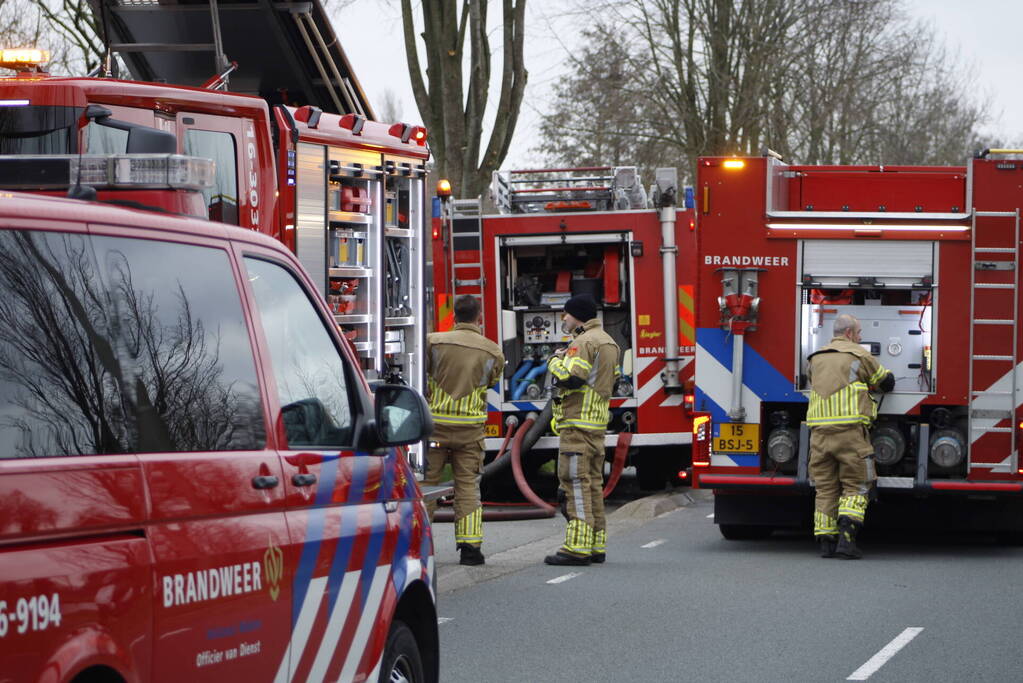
(738, 438)
(492, 430)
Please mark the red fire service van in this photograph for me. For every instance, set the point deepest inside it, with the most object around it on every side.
(196, 483)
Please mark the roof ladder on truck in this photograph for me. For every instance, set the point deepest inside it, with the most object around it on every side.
(994, 301)
(167, 15)
(466, 246)
(285, 52)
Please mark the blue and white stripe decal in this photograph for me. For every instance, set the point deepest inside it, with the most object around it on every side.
(314, 532)
(760, 380)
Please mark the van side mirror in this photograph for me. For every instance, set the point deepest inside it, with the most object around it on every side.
(401, 415)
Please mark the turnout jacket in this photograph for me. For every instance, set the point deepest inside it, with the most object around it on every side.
(841, 375)
(585, 377)
(460, 365)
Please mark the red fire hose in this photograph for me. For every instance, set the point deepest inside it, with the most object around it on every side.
(542, 509)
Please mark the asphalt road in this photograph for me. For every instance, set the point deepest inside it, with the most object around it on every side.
(677, 602)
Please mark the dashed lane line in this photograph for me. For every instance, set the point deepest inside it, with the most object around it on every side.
(444, 620)
(710, 516)
(564, 577)
(884, 654)
(653, 544)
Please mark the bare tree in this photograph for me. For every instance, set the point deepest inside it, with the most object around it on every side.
(453, 113)
(600, 114)
(822, 81)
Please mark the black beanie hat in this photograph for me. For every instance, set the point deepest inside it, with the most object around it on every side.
(582, 307)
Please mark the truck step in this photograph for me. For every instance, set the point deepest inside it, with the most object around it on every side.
(991, 414)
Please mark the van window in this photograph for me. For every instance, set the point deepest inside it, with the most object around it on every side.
(115, 345)
(222, 198)
(308, 369)
(176, 321)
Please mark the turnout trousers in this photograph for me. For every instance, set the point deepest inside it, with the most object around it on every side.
(842, 469)
(581, 480)
(462, 446)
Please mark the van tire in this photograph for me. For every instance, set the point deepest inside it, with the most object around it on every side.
(402, 662)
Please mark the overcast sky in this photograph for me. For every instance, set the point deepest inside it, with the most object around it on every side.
(370, 31)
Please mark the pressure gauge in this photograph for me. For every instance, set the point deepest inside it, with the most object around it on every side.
(894, 349)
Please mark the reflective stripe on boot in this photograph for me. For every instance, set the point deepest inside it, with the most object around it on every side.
(469, 529)
(578, 539)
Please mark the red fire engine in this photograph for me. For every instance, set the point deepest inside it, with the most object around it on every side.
(560, 232)
(927, 259)
(344, 192)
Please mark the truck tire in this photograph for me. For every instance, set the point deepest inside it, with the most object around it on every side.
(744, 532)
(402, 662)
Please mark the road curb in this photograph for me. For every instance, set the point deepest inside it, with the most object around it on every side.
(630, 516)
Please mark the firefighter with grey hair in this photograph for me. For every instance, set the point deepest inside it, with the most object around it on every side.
(842, 376)
(461, 364)
(584, 375)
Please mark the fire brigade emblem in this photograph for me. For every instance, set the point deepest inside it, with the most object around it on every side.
(273, 568)
(572, 351)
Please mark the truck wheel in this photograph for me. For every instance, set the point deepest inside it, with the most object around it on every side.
(402, 662)
(744, 532)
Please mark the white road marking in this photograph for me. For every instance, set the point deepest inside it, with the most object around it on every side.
(564, 577)
(886, 653)
(444, 620)
(653, 544)
(710, 516)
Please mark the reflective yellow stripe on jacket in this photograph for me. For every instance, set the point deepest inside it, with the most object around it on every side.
(842, 407)
(471, 409)
(595, 411)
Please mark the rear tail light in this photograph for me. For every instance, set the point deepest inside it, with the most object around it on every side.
(701, 440)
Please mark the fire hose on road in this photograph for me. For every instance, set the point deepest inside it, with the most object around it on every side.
(525, 437)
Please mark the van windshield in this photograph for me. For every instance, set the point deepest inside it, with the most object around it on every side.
(37, 129)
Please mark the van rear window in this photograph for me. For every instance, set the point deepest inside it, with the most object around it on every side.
(114, 345)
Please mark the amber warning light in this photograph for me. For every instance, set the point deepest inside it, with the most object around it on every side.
(23, 59)
(444, 188)
(733, 164)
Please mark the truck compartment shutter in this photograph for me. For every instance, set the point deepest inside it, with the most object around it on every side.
(838, 263)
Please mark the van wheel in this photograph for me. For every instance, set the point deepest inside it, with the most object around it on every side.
(744, 532)
(402, 663)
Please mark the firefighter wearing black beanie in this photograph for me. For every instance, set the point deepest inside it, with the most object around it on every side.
(584, 375)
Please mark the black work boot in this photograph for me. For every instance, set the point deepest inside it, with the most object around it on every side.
(827, 543)
(470, 555)
(560, 558)
(598, 558)
(847, 530)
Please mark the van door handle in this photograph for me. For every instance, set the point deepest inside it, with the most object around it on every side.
(264, 481)
(303, 479)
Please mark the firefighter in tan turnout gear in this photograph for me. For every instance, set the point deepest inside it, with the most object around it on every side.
(842, 375)
(461, 364)
(584, 375)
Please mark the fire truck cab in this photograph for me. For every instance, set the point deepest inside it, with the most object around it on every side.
(927, 259)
